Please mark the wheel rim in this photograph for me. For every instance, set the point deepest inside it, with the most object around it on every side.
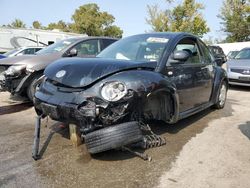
(223, 95)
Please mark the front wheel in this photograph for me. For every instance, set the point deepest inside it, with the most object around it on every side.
(113, 137)
(222, 96)
(32, 87)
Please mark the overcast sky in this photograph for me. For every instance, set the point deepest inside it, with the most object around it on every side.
(130, 14)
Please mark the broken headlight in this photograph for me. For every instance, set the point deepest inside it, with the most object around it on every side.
(113, 91)
(15, 70)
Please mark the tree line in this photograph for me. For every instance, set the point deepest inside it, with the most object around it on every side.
(184, 17)
(87, 19)
(187, 17)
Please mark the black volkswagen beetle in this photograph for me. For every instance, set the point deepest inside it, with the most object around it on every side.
(153, 76)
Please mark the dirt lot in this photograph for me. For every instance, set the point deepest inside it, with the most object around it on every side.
(210, 149)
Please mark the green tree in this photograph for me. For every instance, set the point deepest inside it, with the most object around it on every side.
(37, 25)
(61, 25)
(235, 16)
(90, 20)
(157, 19)
(17, 23)
(185, 17)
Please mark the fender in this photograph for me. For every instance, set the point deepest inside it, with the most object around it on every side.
(145, 84)
(220, 75)
(24, 83)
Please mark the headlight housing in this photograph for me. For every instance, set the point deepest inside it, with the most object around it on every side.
(15, 70)
(113, 91)
(29, 69)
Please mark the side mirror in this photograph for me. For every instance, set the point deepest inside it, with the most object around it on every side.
(73, 52)
(219, 61)
(180, 56)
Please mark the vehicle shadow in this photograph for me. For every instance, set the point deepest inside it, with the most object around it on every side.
(9, 109)
(239, 88)
(195, 125)
(245, 129)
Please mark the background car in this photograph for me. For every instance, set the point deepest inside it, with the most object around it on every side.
(26, 50)
(218, 53)
(238, 69)
(19, 74)
(153, 76)
(232, 54)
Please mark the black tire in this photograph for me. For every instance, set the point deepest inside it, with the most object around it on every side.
(113, 137)
(32, 87)
(221, 100)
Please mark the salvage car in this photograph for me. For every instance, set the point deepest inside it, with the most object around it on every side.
(238, 69)
(153, 76)
(20, 74)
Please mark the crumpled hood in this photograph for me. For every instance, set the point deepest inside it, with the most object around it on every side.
(35, 62)
(80, 72)
(239, 63)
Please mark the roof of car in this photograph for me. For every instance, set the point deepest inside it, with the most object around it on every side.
(24, 47)
(247, 48)
(168, 33)
(92, 37)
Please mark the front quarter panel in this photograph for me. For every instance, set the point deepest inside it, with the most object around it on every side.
(146, 85)
(220, 75)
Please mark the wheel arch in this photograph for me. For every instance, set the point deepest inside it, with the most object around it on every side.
(162, 104)
(220, 76)
(22, 87)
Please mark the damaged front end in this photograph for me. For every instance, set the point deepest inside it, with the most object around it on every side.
(107, 112)
(13, 78)
(108, 101)
(82, 106)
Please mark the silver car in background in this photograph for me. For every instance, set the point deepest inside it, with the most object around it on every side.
(238, 69)
(25, 50)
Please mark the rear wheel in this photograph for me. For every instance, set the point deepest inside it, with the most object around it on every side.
(222, 96)
(113, 137)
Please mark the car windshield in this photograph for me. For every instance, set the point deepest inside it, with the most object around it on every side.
(232, 54)
(145, 48)
(9, 53)
(243, 54)
(58, 46)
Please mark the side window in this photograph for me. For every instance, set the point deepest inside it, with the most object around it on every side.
(206, 55)
(88, 48)
(28, 51)
(37, 49)
(190, 45)
(107, 42)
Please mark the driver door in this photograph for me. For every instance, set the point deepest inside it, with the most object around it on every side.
(190, 77)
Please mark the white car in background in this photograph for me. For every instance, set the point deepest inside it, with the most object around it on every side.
(238, 69)
(25, 50)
